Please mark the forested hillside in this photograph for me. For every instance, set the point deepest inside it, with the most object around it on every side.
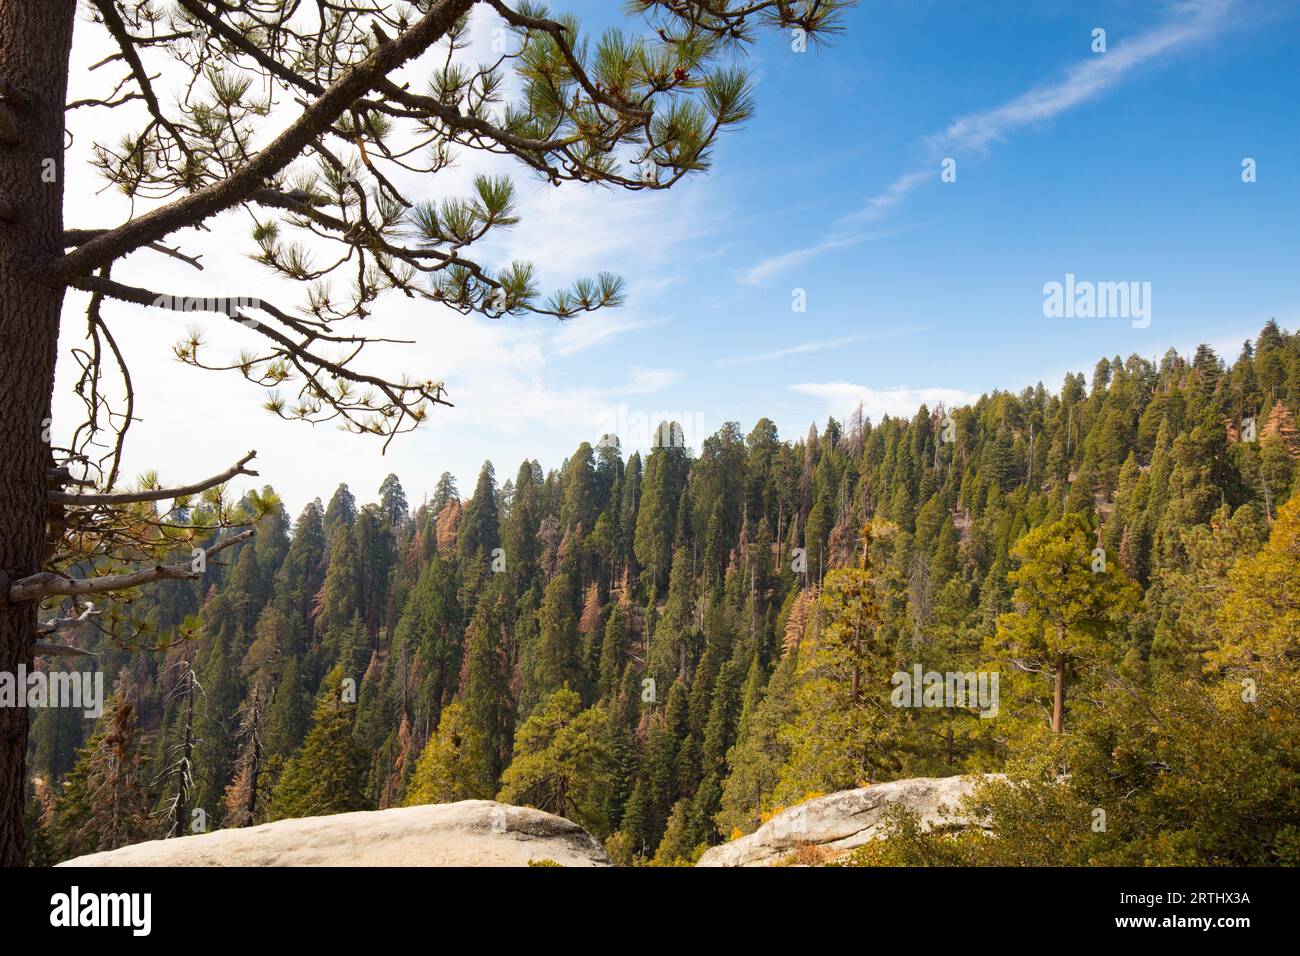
(667, 648)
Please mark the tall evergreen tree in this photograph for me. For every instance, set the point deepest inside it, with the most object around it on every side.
(328, 774)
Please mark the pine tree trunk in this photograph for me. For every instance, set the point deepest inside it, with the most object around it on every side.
(35, 41)
(1058, 698)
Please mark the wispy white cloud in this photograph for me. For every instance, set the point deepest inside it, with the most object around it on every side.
(1086, 79)
(1190, 21)
(897, 191)
(1193, 20)
(842, 398)
(818, 346)
(646, 381)
(767, 268)
(594, 329)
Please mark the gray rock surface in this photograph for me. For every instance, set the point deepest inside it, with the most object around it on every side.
(840, 822)
(468, 833)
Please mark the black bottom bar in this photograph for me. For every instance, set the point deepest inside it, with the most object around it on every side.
(335, 906)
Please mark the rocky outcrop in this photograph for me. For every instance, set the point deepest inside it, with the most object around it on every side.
(469, 833)
(838, 822)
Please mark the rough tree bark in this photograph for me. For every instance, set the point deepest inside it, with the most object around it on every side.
(1058, 695)
(35, 42)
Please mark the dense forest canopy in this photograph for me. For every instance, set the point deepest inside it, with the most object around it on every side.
(667, 648)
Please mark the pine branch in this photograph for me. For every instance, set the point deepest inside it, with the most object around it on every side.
(37, 587)
(67, 624)
(283, 150)
(113, 21)
(156, 494)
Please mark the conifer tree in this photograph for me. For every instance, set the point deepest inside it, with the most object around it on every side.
(1259, 622)
(719, 737)
(561, 762)
(342, 510)
(289, 715)
(445, 771)
(657, 511)
(1068, 616)
(105, 802)
(676, 847)
(557, 662)
(444, 493)
(844, 734)
(392, 502)
(249, 791)
(754, 763)
(301, 576)
(479, 530)
(431, 624)
(486, 696)
(328, 774)
(176, 781)
(613, 651)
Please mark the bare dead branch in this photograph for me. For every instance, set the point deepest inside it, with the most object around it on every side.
(37, 587)
(177, 254)
(157, 494)
(68, 623)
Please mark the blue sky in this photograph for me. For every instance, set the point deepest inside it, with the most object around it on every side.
(1139, 181)
(1118, 166)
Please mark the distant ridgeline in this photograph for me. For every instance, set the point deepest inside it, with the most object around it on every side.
(668, 649)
